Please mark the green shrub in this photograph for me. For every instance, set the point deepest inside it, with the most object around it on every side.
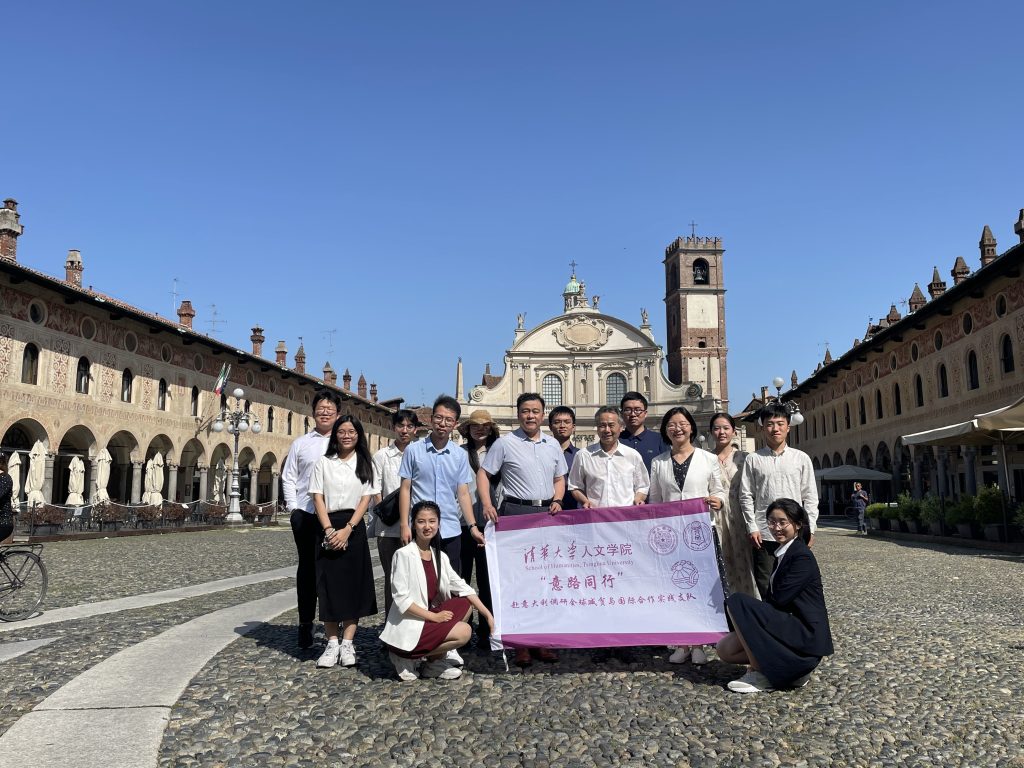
(931, 511)
(875, 510)
(962, 511)
(909, 507)
(1019, 519)
(890, 513)
(989, 507)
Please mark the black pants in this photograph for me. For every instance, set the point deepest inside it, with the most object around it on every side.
(453, 548)
(764, 564)
(475, 555)
(306, 531)
(386, 548)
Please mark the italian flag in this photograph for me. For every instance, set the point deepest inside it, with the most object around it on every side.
(222, 379)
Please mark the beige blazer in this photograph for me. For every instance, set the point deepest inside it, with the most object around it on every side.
(409, 586)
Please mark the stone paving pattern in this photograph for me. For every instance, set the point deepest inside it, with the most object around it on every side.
(927, 671)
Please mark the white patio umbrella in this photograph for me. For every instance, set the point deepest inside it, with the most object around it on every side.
(219, 475)
(850, 472)
(154, 481)
(76, 483)
(36, 474)
(14, 470)
(102, 477)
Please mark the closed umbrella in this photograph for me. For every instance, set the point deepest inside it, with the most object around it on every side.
(76, 483)
(36, 475)
(14, 470)
(102, 477)
(218, 483)
(157, 494)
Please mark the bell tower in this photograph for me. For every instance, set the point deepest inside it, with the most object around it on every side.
(695, 314)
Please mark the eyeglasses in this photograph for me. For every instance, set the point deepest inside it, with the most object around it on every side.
(634, 410)
(443, 420)
(322, 412)
(779, 523)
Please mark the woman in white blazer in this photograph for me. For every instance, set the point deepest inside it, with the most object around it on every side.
(431, 603)
(685, 472)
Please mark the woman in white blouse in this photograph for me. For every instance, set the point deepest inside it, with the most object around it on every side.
(341, 486)
(432, 603)
(685, 472)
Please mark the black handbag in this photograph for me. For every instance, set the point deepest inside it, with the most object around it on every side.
(387, 510)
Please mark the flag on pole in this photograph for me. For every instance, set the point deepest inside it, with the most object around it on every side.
(222, 379)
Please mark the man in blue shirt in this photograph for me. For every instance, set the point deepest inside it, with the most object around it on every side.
(562, 421)
(436, 469)
(646, 442)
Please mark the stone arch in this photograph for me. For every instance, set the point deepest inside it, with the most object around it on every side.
(77, 441)
(866, 458)
(164, 445)
(123, 448)
(268, 466)
(826, 462)
(220, 453)
(851, 457)
(815, 463)
(193, 454)
(19, 437)
(902, 467)
(837, 460)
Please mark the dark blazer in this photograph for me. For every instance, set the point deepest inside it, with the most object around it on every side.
(796, 589)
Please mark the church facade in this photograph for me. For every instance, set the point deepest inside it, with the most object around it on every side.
(584, 358)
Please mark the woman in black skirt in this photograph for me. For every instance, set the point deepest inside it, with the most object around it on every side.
(341, 485)
(783, 638)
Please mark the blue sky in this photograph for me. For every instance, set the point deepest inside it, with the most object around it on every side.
(414, 175)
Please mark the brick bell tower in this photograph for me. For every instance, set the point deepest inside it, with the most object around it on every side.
(695, 314)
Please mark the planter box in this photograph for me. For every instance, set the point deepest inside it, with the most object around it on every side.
(995, 532)
(878, 524)
(938, 529)
(968, 530)
(915, 526)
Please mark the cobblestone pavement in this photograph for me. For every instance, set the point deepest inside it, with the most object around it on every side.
(927, 671)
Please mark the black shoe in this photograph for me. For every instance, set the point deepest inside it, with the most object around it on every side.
(601, 656)
(625, 655)
(305, 635)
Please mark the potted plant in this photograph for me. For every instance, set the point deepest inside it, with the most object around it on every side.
(146, 516)
(1019, 520)
(931, 515)
(891, 514)
(249, 511)
(175, 513)
(875, 513)
(910, 513)
(989, 512)
(215, 513)
(108, 515)
(45, 516)
(961, 515)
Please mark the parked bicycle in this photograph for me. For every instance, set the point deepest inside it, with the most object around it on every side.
(22, 581)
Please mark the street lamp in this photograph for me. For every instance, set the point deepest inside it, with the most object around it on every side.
(795, 417)
(236, 422)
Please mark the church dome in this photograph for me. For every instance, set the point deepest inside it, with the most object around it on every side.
(572, 286)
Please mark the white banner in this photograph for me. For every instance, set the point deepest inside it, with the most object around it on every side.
(619, 576)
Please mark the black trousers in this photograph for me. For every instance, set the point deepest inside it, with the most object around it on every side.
(475, 555)
(764, 564)
(453, 548)
(306, 531)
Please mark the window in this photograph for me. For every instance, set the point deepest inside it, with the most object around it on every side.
(968, 322)
(863, 412)
(289, 423)
(1000, 306)
(918, 392)
(938, 340)
(195, 401)
(82, 376)
(305, 425)
(835, 425)
(223, 400)
(700, 272)
(943, 382)
(127, 380)
(551, 389)
(914, 352)
(973, 380)
(270, 419)
(1005, 355)
(161, 395)
(30, 364)
(878, 404)
(897, 403)
(847, 407)
(615, 388)
(247, 406)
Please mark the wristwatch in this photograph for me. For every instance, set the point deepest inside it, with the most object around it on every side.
(477, 526)
(558, 502)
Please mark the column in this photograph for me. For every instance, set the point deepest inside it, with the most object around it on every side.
(172, 482)
(916, 473)
(203, 496)
(136, 482)
(970, 454)
(275, 478)
(48, 478)
(941, 484)
(254, 484)
(94, 467)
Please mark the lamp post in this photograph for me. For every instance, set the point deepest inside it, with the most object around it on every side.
(795, 417)
(236, 422)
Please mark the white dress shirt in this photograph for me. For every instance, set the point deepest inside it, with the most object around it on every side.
(768, 476)
(386, 462)
(335, 478)
(609, 479)
(303, 455)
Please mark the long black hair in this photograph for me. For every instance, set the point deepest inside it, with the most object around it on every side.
(796, 514)
(364, 461)
(474, 457)
(435, 543)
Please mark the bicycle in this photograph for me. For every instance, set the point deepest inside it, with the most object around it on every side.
(22, 581)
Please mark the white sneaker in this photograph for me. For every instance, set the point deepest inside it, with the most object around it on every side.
(698, 656)
(406, 668)
(329, 657)
(452, 657)
(348, 654)
(752, 682)
(680, 655)
(441, 669)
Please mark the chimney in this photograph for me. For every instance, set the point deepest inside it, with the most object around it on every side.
(346, 380)
(281, 353)
(1018, 228)
(373, 392)
(257, 340)
(894, 315)
(828, 355)
(10, 230)
(987, 245)
(186, 313)
(73, 268)
(764, 394)
(960, 271)
(937, 287)
(330, 377)
(793, 381)
(361, 384)
(300, 359)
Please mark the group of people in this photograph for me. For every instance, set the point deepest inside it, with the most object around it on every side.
(763, 506)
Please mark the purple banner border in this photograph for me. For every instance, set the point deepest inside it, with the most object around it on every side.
(610, 639)
(603, 515)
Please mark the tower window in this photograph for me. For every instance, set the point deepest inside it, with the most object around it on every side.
(700, 272)
(127, 383)
(195, 401)
(918, 392)
(973, 379)
(551, 388)
(82, 376)
(615, 388)
(161, 395)
(30, 364)
(1006, 355)
(943, 382)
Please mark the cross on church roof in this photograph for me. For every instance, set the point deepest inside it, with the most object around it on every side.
(573, 265)
(693, 228)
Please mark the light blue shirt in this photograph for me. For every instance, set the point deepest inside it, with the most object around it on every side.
(528, 467)
(436, 476)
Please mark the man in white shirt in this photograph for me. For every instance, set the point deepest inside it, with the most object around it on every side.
(776, 471)
(608, 474)
(303, 455)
